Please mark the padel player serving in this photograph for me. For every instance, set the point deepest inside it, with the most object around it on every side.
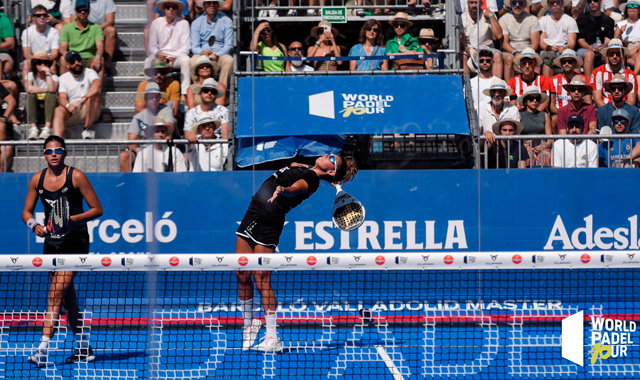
(260, 232)
(62, 190)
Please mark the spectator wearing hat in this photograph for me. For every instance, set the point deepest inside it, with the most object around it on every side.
(575, 153)
(153, 13)
(569, 62)
(559, 32)
(484, 63)
(528, 61)
(617, 153)
(427, 41)
(160, 157)
(79, 97)
(207, 157)
(153, 109)
(577, 89)
(212, 35)
(596, 30)
(158, 74)
(295, 50)
(83, 37)
(496, 108)
(535, 122)
(40, 37)
(615, 53)
(619, 88)
(480, 34)
(202, 70)
(103, 13)
(506, 154)
(59, 12)
(370, 44)
(520, 30)
(402, 42)
(628, 30)
(41, 86)
(208, 92)
(265, 43)
(169, 41)
(325, 46)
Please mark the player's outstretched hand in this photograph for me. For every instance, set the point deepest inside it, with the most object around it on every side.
(278, 190)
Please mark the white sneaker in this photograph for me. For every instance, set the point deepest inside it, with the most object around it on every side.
(273, 13)
(250, 334)
(292, 12)
(88, 134)
(311, 12)
(39, 358)
(269, 344)
(262, 13)
(360, 12)
(33, 134)
(44, 133)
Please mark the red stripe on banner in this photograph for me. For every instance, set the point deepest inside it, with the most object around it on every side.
(22, 320)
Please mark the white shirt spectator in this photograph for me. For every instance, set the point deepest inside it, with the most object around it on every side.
(37, 41)
(219, 113)
(203, 159)
(487, 117)
(99, 10)
(491, 4)
(478, 85)
(478, 34)
(558, 32)
(41, 83)
(301, 68)
(76, 88)
(568, 155)
(65, 6)
(151, 159)
(173, 39)
(632, 33)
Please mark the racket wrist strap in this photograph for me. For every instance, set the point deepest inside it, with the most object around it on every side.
(32, 223)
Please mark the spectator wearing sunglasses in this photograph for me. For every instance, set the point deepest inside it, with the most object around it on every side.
(569, 62)
(402, 42)
(296, 49)
(575, 153)
(83, 37)
(40, 37)
(484, 62)
(370, 44)
(201, 70)
(577, 89)
(41, 85)
(535, 122)
(208, 92)
(595, 31)
(265, 43)
(520, 30)
(59, 12)
(619, 87)
(153, 13)
(158, 75)
(559, 32)
(479, 34)
(212, 35)
(79, 98)
(528, 61)
(207, 157)
(169, 40)
(618, 153)
(103, 13)
(628, 30)
(615, 53)
(159, 158)
(427, 41)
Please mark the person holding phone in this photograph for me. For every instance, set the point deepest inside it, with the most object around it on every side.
(325, 46)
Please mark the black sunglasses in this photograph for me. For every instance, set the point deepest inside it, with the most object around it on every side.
(171, 6)
(40, 15)
(82, 10)
(295, 48)
(42, 62)
(486, 60)
(534, 98)
(425, 41)
(565, 61)
(576, 88)
(74, 60)
(207, 91)
(373, 29)
(618, 88)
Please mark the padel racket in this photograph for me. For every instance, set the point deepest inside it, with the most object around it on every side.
(348, 212)
(60, 217)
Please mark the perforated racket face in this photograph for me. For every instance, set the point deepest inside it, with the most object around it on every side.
(60, 215)
(348, 212)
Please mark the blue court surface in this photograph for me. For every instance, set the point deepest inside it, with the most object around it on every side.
(420, 325)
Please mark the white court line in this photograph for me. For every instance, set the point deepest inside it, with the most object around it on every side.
(390, 364)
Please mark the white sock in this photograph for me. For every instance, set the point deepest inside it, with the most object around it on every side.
(44, 343)
(247, 312)
(82, 340)
(270, 318)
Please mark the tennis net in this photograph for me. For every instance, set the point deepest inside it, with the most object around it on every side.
(499, 315)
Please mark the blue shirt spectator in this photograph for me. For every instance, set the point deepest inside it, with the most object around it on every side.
(216, 36)
(358, 51)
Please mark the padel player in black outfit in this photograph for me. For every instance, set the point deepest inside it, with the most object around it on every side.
(260, 232)
(56, 186)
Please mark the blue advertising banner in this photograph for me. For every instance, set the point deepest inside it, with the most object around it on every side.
(359, 104)
(415, 211)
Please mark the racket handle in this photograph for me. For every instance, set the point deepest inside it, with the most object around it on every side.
(338, 187)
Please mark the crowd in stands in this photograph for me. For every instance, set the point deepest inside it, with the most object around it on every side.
(554, 67)
(535, 65)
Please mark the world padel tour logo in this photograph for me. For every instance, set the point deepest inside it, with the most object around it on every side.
(323, 104)
(610, 338)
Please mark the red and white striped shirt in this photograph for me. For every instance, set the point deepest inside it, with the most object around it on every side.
(604, 74)
(562, 96)
(518, 85)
